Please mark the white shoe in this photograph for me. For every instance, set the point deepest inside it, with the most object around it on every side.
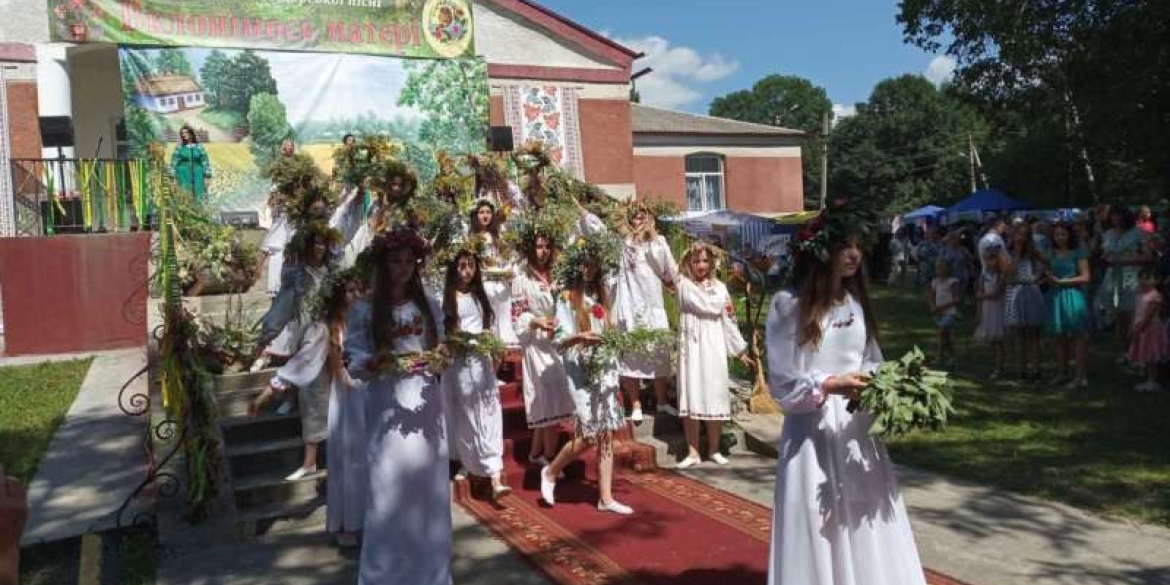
(461, 475)
(636, 415)
(616, 507)
(300, 473)
(668, 409)
(284, 408)
(547, 486)
(719, 458)
(260, 363)
(538, 459)
(688, 462)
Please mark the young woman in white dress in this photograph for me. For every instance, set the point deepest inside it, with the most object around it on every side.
(583, 312)
(647, 266)
(707, 336)
(275, 239)
(407, 535)
(475, 424)
(838, 518)
(497, 272)
(547, 402)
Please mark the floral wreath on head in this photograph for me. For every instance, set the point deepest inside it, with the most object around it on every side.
(297, 203)
(383, 172)
(293, 173)
(334, 284)
(554, 223)
(491, 172)
(451, 183)
(298, 246)
(833, 227)
(603, 248)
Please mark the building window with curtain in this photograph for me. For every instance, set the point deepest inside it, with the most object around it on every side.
(704, 182)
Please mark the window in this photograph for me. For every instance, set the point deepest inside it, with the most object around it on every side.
(704, 182)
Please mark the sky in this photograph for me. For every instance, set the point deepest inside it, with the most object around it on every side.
(701, 49)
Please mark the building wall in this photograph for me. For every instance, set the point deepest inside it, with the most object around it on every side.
(25, 21)
(96, 85)
(765, 179)
(505, 39)
(23, 126)
(607, 142)
(661, 177)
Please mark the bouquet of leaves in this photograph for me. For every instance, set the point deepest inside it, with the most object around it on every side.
(904, 395)
(410, 363)
(616, 344)
(484, 344)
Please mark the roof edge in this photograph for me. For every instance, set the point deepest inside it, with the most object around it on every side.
(773, 130)
(558, 24)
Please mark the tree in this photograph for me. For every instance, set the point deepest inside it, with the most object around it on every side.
(453, 93)
(269, 127)
(248, 75)
(172, 62)
(215, 70)
(906, 146)
(788, 101)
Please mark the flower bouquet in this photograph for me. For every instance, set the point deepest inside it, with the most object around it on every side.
(484, 344)
(410, 363)
(904, 396)
(616, 344)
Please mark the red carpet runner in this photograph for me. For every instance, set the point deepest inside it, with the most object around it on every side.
(683, 532)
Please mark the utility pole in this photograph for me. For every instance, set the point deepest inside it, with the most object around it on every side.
(971, 161)
(824, 157)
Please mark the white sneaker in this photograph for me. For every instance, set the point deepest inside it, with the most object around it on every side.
(538, 459)
(688, 462)
(668, 409)
(284, 408)
(300, 473)
(461, 475)
(616, 507)
(719, 458)
(636, 415)
(547, 486)
(260, 363)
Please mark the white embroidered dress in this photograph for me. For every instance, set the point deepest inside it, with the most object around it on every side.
(596, 405)
(838, 518)
(546, 390)
(638, 302)
(279, 233)
(475, 424)
(349, 471)
(707, 336)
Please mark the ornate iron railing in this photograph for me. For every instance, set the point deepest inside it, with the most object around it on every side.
(86, 195)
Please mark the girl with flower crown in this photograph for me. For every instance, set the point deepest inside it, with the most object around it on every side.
(838, 518)
(497, 272)
(407, 535)
(707, 336)
(475, 428)
(647, 267)
(583, 313)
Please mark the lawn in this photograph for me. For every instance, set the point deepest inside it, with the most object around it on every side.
(33, 401)
(224, 119)
(1103, 449)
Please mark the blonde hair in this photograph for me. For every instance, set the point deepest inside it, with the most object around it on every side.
(713, 253)
(648, 231)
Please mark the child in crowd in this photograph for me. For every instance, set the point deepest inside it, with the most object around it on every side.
(1069, 310)
(1148, 340)
(1026, 311)
(990, 295)
(943, 299)
(707, 336)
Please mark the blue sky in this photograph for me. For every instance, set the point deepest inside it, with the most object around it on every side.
(701, 49)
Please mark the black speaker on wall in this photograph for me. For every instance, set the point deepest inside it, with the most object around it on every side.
(56, 131)
(501, 139)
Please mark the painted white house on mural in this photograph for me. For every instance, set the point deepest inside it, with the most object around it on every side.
(164, 94)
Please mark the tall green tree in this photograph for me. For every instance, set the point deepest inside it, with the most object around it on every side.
(215, 70)
(269, 126)
(788, 101)
(173, 62)
(906, 147)
(248, 75)
(453, 94)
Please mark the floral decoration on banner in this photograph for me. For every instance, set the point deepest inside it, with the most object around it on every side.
(542, 109)
(448, 26)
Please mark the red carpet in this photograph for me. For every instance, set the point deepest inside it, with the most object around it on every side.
(683, 532)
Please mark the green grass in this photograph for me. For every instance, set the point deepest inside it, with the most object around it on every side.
(1104, 449)
(222, 119)
(33, 401)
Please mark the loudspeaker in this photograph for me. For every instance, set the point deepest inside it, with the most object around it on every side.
(56, 131)
(501, 139)
(240, 219)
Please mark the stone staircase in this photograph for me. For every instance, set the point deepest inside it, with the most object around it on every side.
(260, 452)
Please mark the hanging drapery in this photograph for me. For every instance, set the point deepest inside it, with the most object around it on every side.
(547, 114)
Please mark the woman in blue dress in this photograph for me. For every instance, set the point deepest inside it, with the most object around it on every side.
(1123, 253)
(1068, 317)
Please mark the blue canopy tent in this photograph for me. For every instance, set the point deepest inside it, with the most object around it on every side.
(928, 212)
(987, 200)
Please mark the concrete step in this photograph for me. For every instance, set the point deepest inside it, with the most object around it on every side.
(259, 456)
(270, 488)
(243, 380)
(665, 434)
(268, 425)
(276, 520)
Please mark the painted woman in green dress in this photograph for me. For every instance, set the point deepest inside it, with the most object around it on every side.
(191, 165)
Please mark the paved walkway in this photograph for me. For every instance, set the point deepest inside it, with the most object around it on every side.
(95, 459)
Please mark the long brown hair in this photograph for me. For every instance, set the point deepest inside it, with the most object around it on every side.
(334, 318)
(595, 285)
(451, 305)
(385, 328)
(814, 291)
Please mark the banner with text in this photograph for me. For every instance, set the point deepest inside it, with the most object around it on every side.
(439, 29)
(242, 104)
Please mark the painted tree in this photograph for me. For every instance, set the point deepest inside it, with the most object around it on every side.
(269, 126)
(173, 62)
(788, 101)
(453, 94)
(247, 76)
(215, 70)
